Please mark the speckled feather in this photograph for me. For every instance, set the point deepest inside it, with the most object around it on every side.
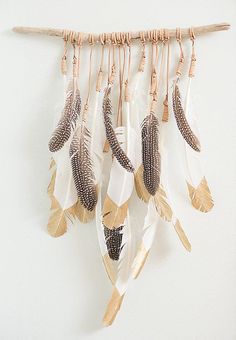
(82, 168)
(67, 122)
(117, 151)
(182, 122)
(113, 239)
(150, 153)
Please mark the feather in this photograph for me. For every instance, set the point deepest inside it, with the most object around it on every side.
(117, 151)
(118, 236)
(182, 122)
(198, 189)
(150, 153)
(67, 122)
(82, 168)
(96, 147)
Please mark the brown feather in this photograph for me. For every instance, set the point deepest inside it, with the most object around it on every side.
(67, 122)
(150, 153)
(82, 168)
(182, 122)
(117, 151)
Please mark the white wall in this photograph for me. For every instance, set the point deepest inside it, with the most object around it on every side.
(56, 289)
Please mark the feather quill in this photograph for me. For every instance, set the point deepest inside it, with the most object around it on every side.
(117, 151)
(150, 153)
(182, 122)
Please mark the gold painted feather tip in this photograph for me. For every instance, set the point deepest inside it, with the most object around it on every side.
(200, 196)
(112, 308)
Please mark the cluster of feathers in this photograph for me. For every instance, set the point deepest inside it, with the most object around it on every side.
(72, 128)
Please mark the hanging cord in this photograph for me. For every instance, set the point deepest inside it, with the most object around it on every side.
(64, 57)
(191, 73)
(79, 43)
(143, 53)
(155, 55)
(112, 74)
(181, 59)
(120, 37)
(111, 41)
(127, 89)
(165, 115)
(154, 38)
(100, 72)
(86, 105)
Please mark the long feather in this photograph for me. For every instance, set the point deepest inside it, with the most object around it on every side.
(182, 122)
(119, 237)
(117, 151)
(67, 122)
(96, 147)
(82, 168)
(150, 153)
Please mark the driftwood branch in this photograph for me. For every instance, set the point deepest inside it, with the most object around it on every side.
(133, 35)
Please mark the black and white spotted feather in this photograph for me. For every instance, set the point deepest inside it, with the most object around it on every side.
(82, 168)
(117, 151)
(151, 158)
(113, 239)
(182, 122)
(67, 122)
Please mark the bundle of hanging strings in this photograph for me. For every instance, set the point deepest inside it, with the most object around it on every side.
(117, 124)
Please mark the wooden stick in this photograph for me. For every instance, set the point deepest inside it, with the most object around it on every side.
(134, 35)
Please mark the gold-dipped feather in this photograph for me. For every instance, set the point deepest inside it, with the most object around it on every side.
(141, 190)
(200, 196)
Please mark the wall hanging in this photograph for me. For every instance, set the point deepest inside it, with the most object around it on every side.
(116, 123)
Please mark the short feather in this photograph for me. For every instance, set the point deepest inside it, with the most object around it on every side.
(67, 122)
(117, 151)
(150, 153)
(182, 122)
(82, 168)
